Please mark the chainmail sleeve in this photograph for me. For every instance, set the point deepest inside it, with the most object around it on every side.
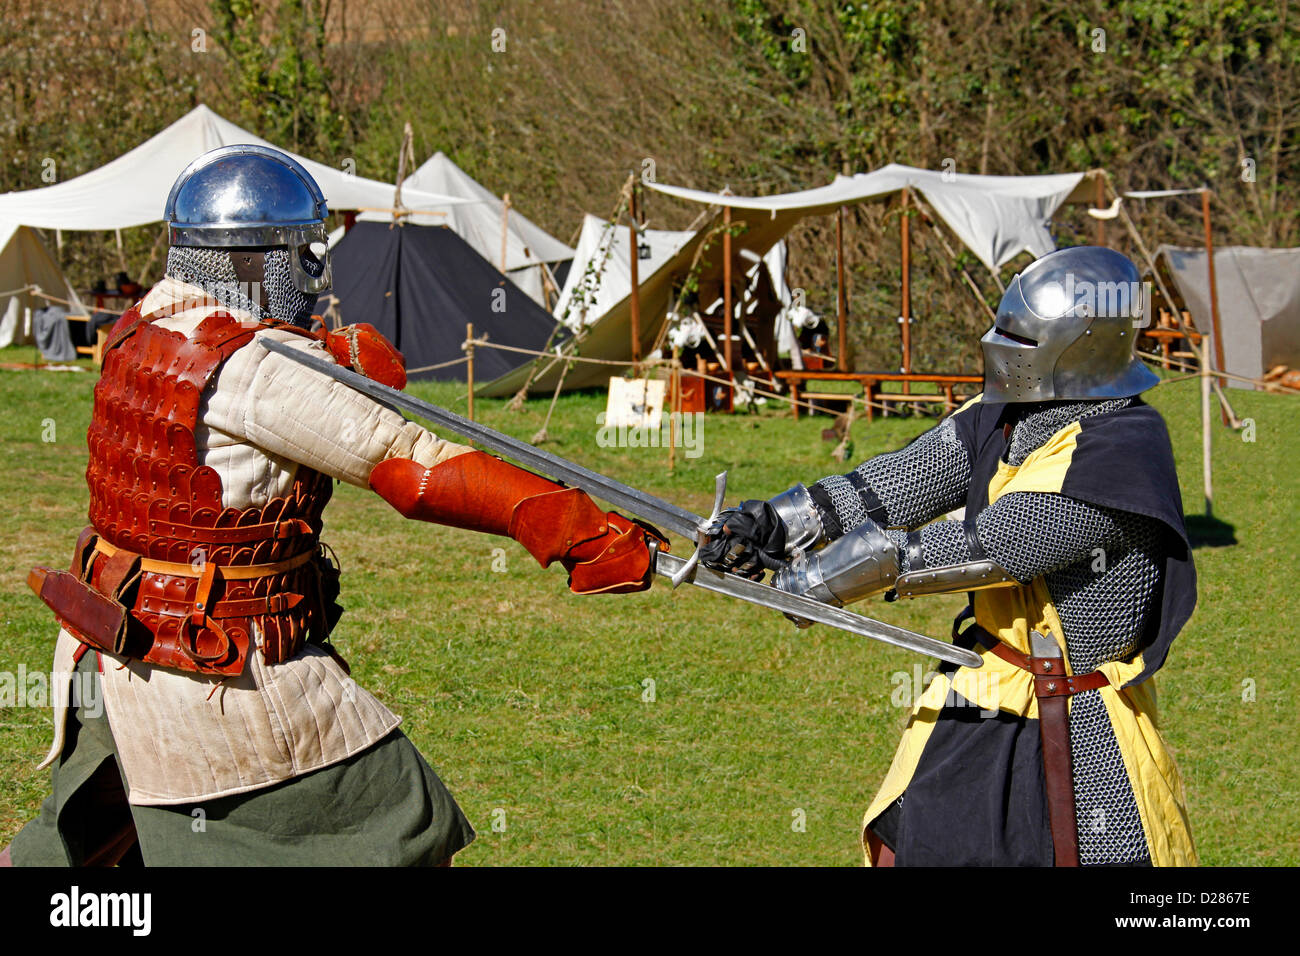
(1027, 533)
(901, 489)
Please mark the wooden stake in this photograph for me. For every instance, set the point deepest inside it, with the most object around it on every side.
(469, 366)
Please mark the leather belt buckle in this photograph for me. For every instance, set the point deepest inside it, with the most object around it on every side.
(279, 603)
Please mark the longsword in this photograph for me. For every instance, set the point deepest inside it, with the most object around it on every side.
(648, 507)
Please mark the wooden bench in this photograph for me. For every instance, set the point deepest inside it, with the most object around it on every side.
(871, 383)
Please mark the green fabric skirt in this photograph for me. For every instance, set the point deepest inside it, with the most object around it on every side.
(382, 807)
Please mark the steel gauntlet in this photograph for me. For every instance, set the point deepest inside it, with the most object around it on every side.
(762, 535)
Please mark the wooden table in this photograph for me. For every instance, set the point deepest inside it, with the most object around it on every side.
(1166, 338)
(871, 383)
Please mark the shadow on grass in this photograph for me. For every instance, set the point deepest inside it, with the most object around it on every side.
(1206, 532)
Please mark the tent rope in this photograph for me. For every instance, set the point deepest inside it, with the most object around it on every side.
(430, 368)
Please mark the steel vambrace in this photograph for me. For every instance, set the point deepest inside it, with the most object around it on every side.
(859, 564)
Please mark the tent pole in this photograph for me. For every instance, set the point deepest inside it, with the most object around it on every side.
(505, 228)
(403, 151)
(905, 320)
(469, 367)
(1099, 201)
(1206, 443)
(632, 268)
(726, 290)
(1214, 293)
(674, 406)
(841, 296)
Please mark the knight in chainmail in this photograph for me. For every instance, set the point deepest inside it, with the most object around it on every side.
(1072, 527)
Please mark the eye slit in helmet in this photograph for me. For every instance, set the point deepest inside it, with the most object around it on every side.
(1022, 339)
(312, 257)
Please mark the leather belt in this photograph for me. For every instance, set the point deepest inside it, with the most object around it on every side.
(1052, 687)
(229, 572)
(237, 535)
(1050, 679)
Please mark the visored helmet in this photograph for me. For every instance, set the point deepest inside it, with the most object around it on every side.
(251, 197)
(1067, 328)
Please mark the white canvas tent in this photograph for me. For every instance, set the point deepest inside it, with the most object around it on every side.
(132, 189)
(606, 293)
(25, 262)
(1259, 303)
(479, 220)
(996, 217)
(598, 293)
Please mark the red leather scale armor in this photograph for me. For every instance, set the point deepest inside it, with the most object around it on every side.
(149, 496)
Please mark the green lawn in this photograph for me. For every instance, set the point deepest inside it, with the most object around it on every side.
(533, 704)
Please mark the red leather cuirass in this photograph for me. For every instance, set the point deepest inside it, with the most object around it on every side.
(150, 497)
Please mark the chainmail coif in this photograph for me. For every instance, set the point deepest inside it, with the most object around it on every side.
(211, 270)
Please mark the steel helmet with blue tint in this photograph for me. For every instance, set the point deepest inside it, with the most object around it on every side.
(1067, 329)
(249, 196)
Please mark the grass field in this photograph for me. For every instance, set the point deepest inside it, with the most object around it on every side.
(535, 705)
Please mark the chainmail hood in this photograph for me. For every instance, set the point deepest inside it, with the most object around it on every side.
(211, 270)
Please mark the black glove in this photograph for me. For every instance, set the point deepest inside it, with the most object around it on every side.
(746, 540)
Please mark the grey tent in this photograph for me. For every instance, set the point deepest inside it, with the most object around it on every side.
(1259, 302)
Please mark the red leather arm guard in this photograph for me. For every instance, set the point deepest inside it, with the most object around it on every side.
(603, 551)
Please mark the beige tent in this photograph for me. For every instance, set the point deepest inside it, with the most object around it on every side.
(24, 263)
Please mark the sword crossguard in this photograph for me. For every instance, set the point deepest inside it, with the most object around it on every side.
(719, 496)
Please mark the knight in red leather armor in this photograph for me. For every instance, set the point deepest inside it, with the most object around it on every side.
(200, 598)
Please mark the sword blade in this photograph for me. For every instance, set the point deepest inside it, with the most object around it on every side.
(764, 595)
(663, 514)
(655, 510)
